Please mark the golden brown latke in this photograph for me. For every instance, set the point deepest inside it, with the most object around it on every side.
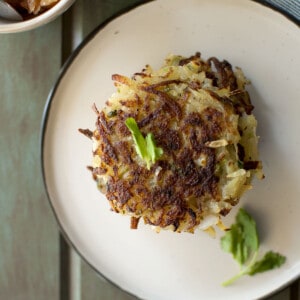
(200, 115)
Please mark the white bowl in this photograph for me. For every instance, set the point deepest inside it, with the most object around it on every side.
(7, 26)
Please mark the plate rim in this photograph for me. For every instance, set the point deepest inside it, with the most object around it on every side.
(47, 109)
(280, 10)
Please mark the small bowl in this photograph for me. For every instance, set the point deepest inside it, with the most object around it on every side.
(61, 6)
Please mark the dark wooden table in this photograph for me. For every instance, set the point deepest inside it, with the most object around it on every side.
(35, 261)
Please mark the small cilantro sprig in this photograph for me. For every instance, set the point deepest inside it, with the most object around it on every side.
(242, 242)
(145, 147)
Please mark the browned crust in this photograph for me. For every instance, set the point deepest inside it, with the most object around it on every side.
(179, 179)
(88, 133)
(181, 186)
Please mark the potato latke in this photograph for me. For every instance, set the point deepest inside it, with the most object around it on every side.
(200, 115)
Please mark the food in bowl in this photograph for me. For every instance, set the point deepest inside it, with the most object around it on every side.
(31, 8)
(176, 147)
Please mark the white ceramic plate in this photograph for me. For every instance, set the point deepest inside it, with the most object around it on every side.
(168, 265)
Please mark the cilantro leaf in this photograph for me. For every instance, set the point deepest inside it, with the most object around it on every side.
(271, 260)
(242, 242)
(249, 239)
(153, 151)
(139, 141)
(231, 242)
(145, 147)
(242, 239)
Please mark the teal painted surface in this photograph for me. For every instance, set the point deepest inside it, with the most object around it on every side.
(29, 64)
(95, 288)
(97, 12)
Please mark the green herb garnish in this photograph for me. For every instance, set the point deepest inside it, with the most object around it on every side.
(242, 242)
(145, 147)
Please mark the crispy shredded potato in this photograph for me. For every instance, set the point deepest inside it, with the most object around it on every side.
(29, 8)
(201, 116)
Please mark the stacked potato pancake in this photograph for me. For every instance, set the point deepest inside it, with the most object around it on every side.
(200, 116)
